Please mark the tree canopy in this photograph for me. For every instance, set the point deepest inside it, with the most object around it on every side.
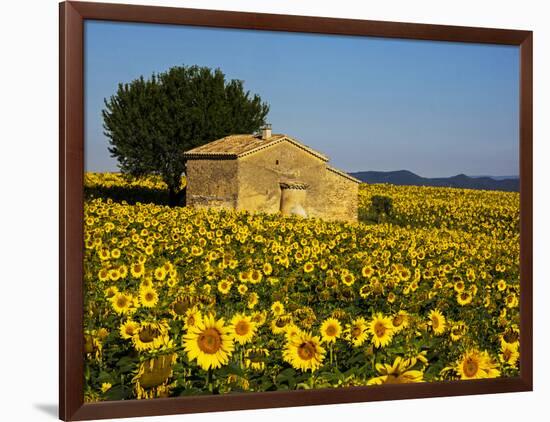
(151, 122)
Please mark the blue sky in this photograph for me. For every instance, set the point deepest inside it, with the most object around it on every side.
(437, 109)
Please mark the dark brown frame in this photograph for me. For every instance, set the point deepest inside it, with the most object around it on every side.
(71, 167)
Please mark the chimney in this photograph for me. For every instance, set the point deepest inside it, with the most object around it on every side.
(266, 131)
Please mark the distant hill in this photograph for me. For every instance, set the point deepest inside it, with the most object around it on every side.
(408, 178)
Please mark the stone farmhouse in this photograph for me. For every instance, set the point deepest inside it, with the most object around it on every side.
(269, 173)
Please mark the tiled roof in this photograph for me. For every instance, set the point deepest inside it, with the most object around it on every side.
(344, 174)
(236, 146)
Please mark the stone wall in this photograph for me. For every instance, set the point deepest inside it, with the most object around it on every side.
(261, 173)
(212, 183)
(342, 197)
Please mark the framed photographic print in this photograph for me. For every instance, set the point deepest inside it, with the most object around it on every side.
(266, 210)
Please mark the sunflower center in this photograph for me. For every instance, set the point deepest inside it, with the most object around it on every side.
(511, 337)
(210, 341)
(242, 328)
(149, 296)
(379, 329)
(180, 307)
(464, 296)
(331, 331)
(356, 331)
(470, 367)
(255, 357)
(280, 323)
(435, 322)
(306, 350)
(121, 302)
(148, 334)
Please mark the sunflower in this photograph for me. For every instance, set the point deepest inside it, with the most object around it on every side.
(244, 276)
(464, 298)
(511, 337)
(308, 267)
(210, 342)
(348, 278)
(252, 300)
(356, 332)
(331, 329)
(400, 321)
(102, 333)
(192, 318)
(437, 321)
(242, 289)
(242, 328)
(104, 254)
(137, 270)
(267, 268)
(381, 329)
(509, 354)
(103, 274)
(475, 364)
(123, 271)
(304, 352)
(151, 379)
(122, 303)
(148, 297)
(501, 285)
(255, 276)
(459, 286)
(128, 329)
(160, 273)
(224, 286)
(277, 308)
(111, 291)
(272, 280)
(367, 271)
(279, 324)
(114, 274)
(511, 300)
(255, 358)
(259, 318)
(151, 336)
(457, 330)
(400, 372)
(179, 307)
(365, 291)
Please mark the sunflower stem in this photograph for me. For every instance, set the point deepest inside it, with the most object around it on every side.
(209, 380)
(330, 349)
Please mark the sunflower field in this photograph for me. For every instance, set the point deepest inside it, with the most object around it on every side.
(182, 301)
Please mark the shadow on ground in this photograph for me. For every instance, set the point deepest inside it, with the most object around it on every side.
(49, 409)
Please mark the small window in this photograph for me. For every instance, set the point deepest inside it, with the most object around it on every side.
(276, 162)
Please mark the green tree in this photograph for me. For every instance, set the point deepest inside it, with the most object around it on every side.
(151, 122)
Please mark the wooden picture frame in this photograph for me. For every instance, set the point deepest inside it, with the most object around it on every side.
(71, 166)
